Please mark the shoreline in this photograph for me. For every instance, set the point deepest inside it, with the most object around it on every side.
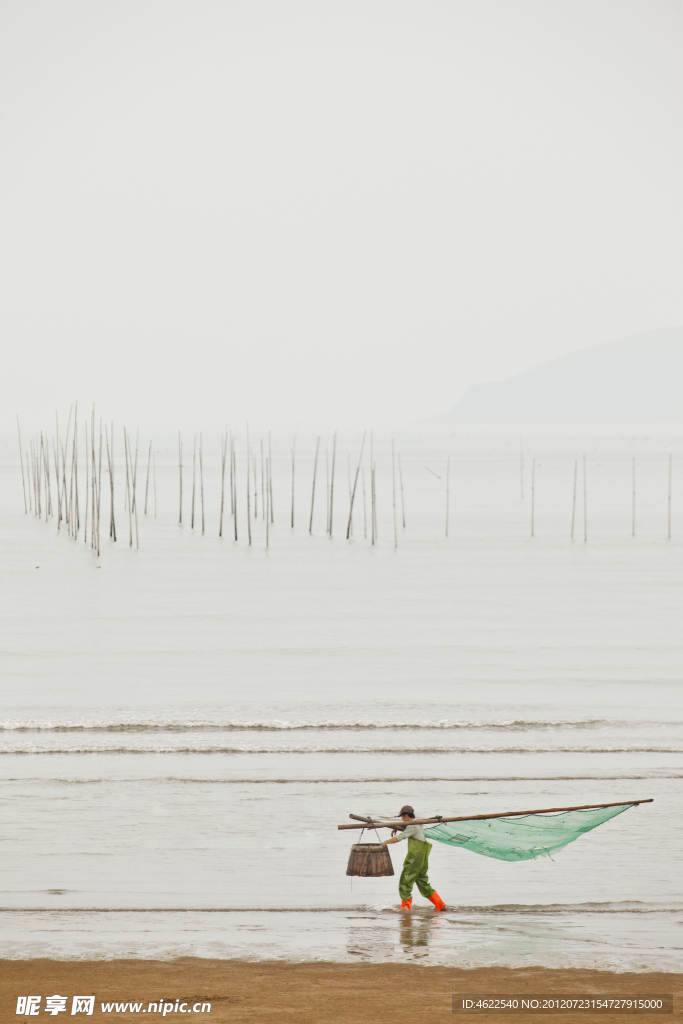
(315, 992)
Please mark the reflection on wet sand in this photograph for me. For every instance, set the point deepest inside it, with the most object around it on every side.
(417, 930)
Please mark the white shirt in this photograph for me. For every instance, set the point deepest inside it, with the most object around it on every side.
(411, 832)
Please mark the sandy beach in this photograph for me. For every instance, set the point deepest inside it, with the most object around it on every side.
(313, 993)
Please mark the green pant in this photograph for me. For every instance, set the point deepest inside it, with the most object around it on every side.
(415, 870)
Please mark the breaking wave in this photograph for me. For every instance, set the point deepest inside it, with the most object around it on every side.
(276, 725)
(187, 748)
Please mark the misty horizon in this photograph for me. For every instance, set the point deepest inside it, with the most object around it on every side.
(328, 215)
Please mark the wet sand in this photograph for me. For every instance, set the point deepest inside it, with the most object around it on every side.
(314, 993)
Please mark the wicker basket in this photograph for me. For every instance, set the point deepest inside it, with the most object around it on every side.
(369, 860)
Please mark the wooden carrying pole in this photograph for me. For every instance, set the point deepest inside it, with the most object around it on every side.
(370, 822)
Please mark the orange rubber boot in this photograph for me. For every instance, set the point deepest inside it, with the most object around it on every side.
(406, 904)
(437, 901)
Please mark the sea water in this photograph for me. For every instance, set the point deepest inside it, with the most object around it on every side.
(185, 723)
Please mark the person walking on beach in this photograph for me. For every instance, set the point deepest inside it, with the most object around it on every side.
(416, 862)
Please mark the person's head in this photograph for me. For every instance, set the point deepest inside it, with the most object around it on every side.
(407, 813)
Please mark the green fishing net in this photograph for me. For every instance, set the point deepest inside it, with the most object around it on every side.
(522, 838)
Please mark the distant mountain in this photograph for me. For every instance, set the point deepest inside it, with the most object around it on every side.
(635, 380)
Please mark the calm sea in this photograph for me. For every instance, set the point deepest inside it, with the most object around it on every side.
(184, 724)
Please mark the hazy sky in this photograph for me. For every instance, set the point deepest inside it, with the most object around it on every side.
(328, 213)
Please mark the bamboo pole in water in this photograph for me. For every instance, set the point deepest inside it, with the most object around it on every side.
(228, 442)
(315, 470)
(248, 490)
(28, 474)
(46, 476)
(521, 468)
(61, 456)
(334, 455)
(533, 494)
(448, 491)
(201, 476)
(576, 473)
(267, 503)
(90, 483)
(21, 462)
(87, 484)
(668, 534)
(264, 496)
(36, 493)
(46, 462)
(41, 474)
(633, 496)
(154, 478)
(49, 476)
(39, 477)
(224, 444)
(270, 479)
(194, 479)
(373, 504)
(393, 486)
(180, 471)
(373, 508)
(264, 500)
(72, 505)
(96, 477)
(113, 471)
(93, 480)
(77, 514)
(253, 471)
(93, 488)
(232, 482)
(94, 485)
(31, 479)
(149, 462)
(585, 503)
(110, 464)
(365, 514)
(372, 448)
(59, 490)
(293, 458)
(135, 470)
(129, 495)
(99, 491)
(353, 492)
(234, 486)
(327, 491)
(65, 497)
(65, 500)
(66, 504)
(36, 474)
(135, 504)
(400, 477)
(57, 453)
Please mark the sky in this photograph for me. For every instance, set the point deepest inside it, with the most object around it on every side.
(328, 214)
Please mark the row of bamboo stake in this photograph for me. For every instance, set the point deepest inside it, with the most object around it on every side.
(38, 482)
(262, 468)
(51, 464)
(584, 489)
